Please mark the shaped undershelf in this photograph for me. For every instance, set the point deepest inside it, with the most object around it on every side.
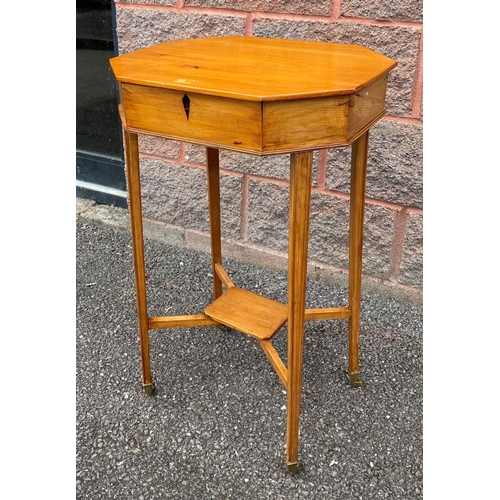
(248, 312)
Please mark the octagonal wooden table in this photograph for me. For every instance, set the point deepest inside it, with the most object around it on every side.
(263, 97)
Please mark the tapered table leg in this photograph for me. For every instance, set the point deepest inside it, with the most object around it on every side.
(134, 191)
(300, 200)
(214, 215)
(357, 210)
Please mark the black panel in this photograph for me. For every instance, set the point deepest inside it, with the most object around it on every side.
(99, 197)
(106, 171)
(99, 145)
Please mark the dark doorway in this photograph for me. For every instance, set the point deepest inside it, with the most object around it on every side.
(99, 151)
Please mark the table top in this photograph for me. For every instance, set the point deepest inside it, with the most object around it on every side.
(253, 69)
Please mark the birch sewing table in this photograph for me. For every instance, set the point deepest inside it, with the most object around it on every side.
(262, 97)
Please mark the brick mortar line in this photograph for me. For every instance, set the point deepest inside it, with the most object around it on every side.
(323, 160)
(193, 164)
(396, 255)
(417, 89)
(335, 10)
(201, 166)
(262, 14)
(369, 201)
(182, 151)
(415, 210)
(183, 163)
(374, 202)
(249, 25)
(331, 20)
(404, 119)
(380, 22)
(269, 180)
(184, 10)
(269, 15)
(150, 156)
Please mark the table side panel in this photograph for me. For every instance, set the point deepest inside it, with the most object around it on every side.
(214, 120)
(365, 105)
(305, 123)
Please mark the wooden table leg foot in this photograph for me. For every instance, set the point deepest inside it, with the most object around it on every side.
(149, 389)
(293, 467)
(354, 379)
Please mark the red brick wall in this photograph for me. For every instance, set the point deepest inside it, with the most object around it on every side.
(255, 190)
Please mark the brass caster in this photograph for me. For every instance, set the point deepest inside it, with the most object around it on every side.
(293, 467)
(354, 379)
(149, 389)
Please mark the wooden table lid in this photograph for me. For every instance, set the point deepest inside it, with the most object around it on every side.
(254, 69)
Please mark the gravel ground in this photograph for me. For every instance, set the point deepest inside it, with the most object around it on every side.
(216, 426)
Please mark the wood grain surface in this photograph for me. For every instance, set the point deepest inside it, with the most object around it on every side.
(252, 68)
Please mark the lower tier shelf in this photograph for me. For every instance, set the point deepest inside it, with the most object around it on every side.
(248, 312)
